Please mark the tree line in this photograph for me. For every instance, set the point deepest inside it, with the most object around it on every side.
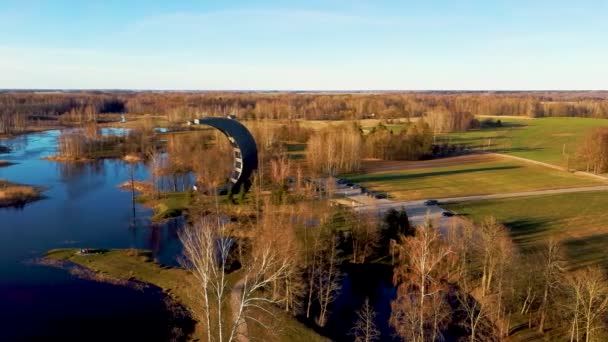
(17, 108)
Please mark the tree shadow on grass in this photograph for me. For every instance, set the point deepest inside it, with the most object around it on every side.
(474, 138)
(587, 251)
(506, 126)
(528, 231)
(393, 177)
(516, 149)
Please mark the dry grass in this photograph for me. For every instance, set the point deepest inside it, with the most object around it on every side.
(143, 187)
(132, 158)
(14, 194)
(59, 158)
(4, 163)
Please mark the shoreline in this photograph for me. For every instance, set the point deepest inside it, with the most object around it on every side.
(180, 317)
(129, 267)
(133, 267)
(32, 130)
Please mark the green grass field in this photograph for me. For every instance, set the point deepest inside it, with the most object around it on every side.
(537, 139)
(494, 176)
(577, 219)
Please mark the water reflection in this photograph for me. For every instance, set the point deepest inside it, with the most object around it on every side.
(83, 208)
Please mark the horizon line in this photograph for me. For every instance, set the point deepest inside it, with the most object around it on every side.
(345, 91)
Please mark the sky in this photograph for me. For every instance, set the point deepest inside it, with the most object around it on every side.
(304, 45)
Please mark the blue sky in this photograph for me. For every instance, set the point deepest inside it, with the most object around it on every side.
(304, 45)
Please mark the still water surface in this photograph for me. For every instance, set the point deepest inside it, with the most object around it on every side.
(83, 208)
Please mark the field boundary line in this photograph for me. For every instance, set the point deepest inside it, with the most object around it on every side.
(551, 166)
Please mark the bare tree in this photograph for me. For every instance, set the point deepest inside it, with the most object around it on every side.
(476, 312)
(586, 302)
(206, 249)
(312, 244)
(279, 169)
(327, 277)
(277, 228)
(420, 310)
(321, 262)
(496, 252)
(335, 149)
(364, 235)
(441, 120)
(550, 277)
(207, 246)
(486, 258)
(265, 268)
(529, 285)
(365, 329)
(593, 150)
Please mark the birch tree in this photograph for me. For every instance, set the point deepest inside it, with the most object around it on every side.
(365, 329)
(586, 304)
(206, 249)
(420, 311)
(364, 235)
(207, 246)
(551, 261)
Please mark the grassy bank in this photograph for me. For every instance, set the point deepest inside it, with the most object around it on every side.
(177, 283)
(167, 204)
(14, 195)
(496, 175)
(577, 220)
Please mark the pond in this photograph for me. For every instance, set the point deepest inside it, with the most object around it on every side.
(83, 208)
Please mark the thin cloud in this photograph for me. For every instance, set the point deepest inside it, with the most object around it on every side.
(285, 18)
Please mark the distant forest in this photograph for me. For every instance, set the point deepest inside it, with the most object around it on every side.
(17, 108)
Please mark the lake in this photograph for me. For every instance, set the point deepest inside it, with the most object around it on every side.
(83, 208)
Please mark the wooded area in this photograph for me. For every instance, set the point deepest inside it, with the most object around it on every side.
(17, 108)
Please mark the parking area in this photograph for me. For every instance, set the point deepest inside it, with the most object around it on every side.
(419, 211)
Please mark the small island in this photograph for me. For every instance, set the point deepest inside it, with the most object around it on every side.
(17, 195)
(4, 163)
